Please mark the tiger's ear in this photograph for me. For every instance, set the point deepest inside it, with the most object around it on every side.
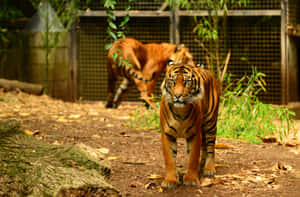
(200, 66)
(178, 47)
(169, 64)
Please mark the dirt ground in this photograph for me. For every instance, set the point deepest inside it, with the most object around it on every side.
(135, 155)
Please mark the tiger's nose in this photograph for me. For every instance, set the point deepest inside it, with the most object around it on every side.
(178, 96)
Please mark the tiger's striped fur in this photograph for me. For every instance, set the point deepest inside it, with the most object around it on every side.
(145, 63)
(189, 109)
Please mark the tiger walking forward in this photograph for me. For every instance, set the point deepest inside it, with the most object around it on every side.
(189, 109)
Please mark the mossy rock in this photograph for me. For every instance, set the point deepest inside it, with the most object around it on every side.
(29, 167)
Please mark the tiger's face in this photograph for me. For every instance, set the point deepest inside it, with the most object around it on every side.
(182, 85)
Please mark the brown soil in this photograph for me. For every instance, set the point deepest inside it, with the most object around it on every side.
(135, 154)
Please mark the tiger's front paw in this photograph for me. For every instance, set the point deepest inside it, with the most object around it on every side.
(209, 172)
(169, 183)
(192, 180)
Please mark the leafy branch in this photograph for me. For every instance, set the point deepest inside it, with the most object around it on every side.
(116, 31)
(243, 116)
(208, 29)
(7, 13)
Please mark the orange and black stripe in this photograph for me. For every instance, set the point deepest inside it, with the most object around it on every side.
(195, 119)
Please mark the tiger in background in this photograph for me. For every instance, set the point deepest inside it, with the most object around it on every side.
(189, 109)
(142, 66)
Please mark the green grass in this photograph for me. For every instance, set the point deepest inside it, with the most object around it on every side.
(145, 119)
(4, 99)
(241, 114)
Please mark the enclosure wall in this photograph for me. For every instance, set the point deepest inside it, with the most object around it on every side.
(254, 41)
(24, 60)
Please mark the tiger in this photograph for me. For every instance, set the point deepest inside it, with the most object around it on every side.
(142, 66)
(189, 109)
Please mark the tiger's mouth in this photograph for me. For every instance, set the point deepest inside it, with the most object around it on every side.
(178, 103)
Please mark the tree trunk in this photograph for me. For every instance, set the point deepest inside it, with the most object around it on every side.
(29, 167)
(23, 86)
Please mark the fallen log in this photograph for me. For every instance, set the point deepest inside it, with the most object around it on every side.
(30, 167)
(30, 88)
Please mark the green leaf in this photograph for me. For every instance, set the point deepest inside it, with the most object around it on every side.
(127, 8)
(3, 30)
(225, 8)
(112, 25)
(110, 4)
(120, 63)
(120, 34)
(112, 34)
(221, 2)
(126, 62)
(108, 46)
(125, 21)
(115, 56)
(243, 58)
(110, 15)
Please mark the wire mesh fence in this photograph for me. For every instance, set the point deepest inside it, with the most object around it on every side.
(134, 5)
(245, 5)
(254, 42)
(293, 12)
(196, 5)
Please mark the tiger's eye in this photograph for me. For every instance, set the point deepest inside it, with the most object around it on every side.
(187, 82)
(171, 81)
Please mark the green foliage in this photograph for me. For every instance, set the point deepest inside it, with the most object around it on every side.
(7, 13)
(208, 29)
(241, 114)
(114, 30)
(145, 119)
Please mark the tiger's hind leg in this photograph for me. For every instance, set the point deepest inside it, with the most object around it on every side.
(121, 92)
(111, 84)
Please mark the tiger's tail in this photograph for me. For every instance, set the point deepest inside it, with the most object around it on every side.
(133, 73)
